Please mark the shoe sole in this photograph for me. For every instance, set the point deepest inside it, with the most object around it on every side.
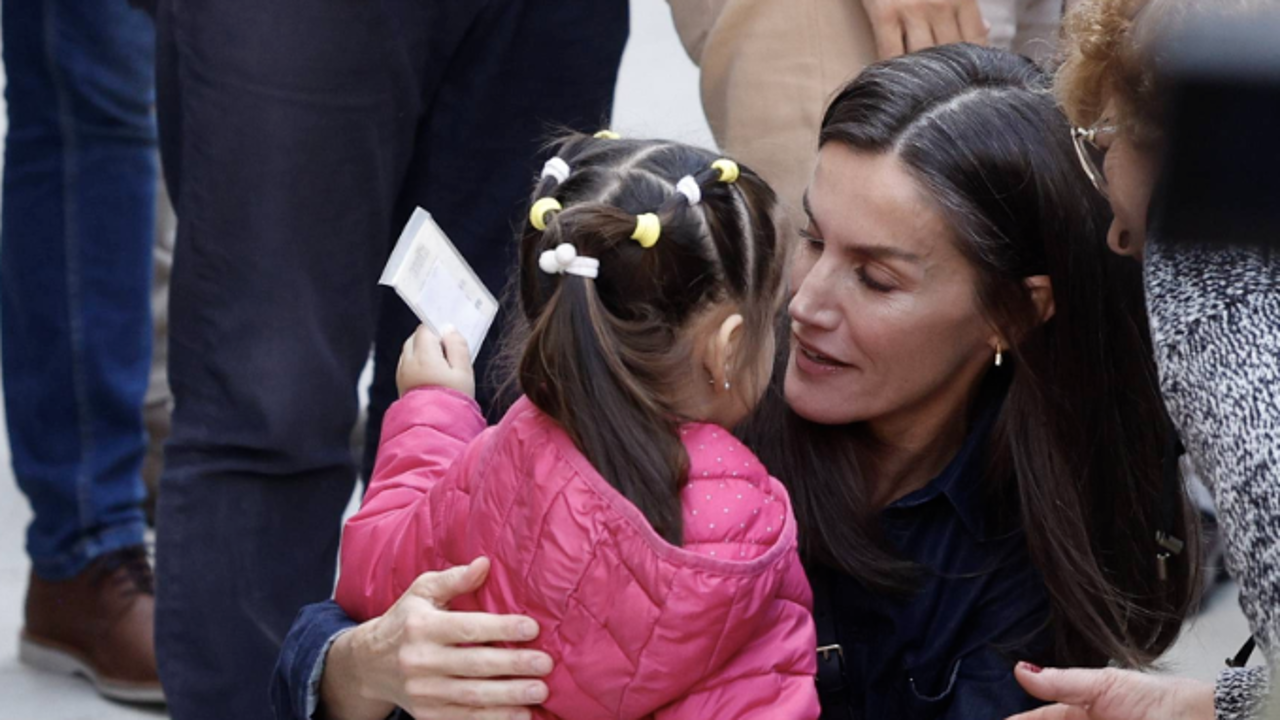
(43, 656)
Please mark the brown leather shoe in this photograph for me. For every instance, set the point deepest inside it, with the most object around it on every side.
(100, 625)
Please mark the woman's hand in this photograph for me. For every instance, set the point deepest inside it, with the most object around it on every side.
(1112, 694)
(410, 658)
(903, 26)
(429, 360)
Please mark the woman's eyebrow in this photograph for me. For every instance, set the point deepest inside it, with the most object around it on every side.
(881, 252)
(874, 251)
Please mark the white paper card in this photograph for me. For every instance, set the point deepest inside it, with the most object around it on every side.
(434, 280)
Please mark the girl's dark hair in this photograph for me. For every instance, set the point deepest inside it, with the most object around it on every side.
(607, 358)
(1077, 447)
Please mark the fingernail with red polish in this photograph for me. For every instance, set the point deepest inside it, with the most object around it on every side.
(1033, 669)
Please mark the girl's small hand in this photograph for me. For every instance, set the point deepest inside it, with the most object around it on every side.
(428, 360)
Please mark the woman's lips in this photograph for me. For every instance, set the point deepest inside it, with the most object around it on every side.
(812, 361)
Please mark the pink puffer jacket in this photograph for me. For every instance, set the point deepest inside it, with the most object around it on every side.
(719, 628)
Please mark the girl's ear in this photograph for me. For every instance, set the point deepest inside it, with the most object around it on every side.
(722, 349)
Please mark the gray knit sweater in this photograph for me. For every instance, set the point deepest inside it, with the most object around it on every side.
(1215, 322)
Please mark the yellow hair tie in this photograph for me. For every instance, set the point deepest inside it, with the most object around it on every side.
(538, 213)
(648, 230)
(607, 135)
(729, 171)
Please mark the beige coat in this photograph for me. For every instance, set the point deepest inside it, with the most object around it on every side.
(769, 67)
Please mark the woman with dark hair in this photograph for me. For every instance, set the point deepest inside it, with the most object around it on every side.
(963, 419)
(951, 303)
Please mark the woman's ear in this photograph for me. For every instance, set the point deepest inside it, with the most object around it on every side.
(1041, 289)
(722, 348)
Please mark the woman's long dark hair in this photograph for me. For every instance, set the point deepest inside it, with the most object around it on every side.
(607, 358)
(1077, 448)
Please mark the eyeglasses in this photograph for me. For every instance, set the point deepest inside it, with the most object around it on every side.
(1091, 154)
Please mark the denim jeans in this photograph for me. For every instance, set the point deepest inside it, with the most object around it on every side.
(75, 270)
(297, 136)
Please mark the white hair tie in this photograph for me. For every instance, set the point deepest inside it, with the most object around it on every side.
(556, 168)
(565, 259)
(690, 189)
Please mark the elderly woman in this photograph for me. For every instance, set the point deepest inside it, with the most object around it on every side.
(966, 407)
(1215, 318)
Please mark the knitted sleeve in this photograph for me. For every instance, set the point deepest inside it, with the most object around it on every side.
(1215, 323)
(1241, 693)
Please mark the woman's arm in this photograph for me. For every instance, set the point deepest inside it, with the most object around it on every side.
(332, 669)
(296, 678)
(1215, 325)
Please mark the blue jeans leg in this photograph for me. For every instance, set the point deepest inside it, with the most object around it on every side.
(80, 173)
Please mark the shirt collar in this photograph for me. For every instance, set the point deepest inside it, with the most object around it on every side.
(962, 480)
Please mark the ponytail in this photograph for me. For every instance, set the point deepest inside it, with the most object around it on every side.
(580, 370)
(626, 243)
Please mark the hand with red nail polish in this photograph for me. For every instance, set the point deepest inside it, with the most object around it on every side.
(1111, 694)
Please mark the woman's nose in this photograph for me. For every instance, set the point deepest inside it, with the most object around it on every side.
(1122, 241)
(812, 305)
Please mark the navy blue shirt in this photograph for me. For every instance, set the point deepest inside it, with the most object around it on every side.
(945, 650)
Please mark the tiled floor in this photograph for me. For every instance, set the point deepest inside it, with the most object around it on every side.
(657, 96)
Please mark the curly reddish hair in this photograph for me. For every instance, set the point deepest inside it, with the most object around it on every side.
(1112, 53)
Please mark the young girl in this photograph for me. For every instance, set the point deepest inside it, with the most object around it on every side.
(655, 551)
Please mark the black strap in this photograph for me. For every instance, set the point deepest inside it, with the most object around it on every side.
(834, 691)
(1242, 658)
(1170, 501)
